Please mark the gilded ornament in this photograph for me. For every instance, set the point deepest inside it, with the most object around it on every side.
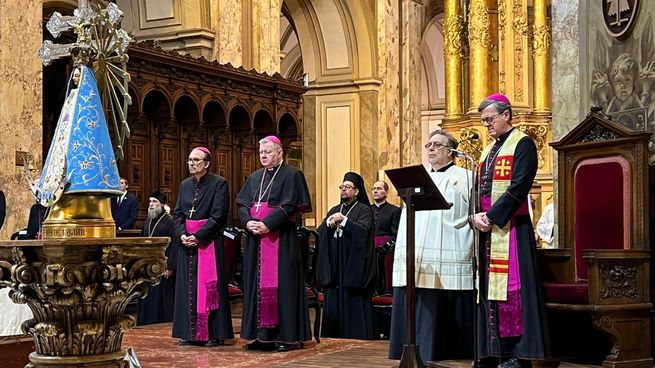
(479, 33)
(539, 134)
(453, 36)
(541, 40)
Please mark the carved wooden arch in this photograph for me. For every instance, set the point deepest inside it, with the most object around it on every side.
(207, 102)
(209, 98)
(154, 87)
(269, 125)
(239, 104)
(182, 93)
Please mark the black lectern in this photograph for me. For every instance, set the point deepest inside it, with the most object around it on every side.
(412, 183)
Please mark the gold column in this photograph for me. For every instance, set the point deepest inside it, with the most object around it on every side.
(514, 51)
(541, 50)
(453, 56)
(480, 44)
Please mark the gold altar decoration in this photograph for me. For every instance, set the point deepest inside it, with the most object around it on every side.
(80, 216)
(541, 41)
(480, 43)
(77, 290)
(505, 46)
(454, 44)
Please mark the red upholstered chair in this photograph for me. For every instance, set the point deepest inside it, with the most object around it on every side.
(383, 299)
(601, 267)
(232, 246)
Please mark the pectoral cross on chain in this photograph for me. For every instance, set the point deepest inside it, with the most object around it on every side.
(191, 211)
(257, 205)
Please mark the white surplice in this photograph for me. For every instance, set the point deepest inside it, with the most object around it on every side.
(13, 315)
(443, 238)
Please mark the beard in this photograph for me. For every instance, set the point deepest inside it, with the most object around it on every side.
(153, 213)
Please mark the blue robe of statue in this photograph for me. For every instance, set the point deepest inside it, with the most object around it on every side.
(81, 157)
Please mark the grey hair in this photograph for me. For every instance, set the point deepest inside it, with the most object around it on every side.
(501, 107)
(452, 142)
(275, 145)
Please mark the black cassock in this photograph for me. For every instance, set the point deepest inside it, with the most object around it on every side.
(534, 342)
(289, 197)
(157, 306)
(346, 269)
(386, 218)
(212, 203)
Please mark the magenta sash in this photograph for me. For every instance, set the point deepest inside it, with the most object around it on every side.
(268, 270)
(510, 313)
(380, 240)
(206, 282)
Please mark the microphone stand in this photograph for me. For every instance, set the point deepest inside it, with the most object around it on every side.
(474, 206)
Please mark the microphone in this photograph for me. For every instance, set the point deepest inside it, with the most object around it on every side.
(459, 154)
(474, 135)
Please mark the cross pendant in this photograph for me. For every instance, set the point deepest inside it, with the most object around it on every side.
(257, 205)
(191, 211)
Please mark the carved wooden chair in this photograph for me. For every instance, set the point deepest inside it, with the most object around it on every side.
(308, 243)
(602, 266)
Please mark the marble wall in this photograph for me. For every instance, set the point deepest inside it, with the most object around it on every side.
(566, 71)
(227, 23)
(388, 141)
(20, 109)
(264, 29)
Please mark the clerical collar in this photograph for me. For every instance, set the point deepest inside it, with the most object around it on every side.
(380, 205)
(202, 178)
(503, 137)
(444, 168)
(348, 204)
(274, 167)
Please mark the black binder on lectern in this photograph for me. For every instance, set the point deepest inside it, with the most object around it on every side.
(416, 188)
(415, 178)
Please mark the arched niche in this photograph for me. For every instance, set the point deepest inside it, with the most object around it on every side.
(239, 119)
(288, 127)
(186, 110)
(213, 114)
(156, 108)
(263, 124)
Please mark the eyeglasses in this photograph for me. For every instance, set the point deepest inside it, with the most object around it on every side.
(434, 144)
(489, 119)
(349, 187)
(195, 160)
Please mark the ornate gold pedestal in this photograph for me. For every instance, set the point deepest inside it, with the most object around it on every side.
(80, 216)
(77, 290)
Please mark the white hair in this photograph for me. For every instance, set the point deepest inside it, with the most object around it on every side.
(275, 145)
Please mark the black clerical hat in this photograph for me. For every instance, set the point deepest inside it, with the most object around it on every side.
(160, 196)
(358, 181)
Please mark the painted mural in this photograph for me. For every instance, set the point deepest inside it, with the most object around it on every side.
(622, 57)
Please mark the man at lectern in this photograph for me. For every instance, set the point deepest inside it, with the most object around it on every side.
(511, 313)
(444, 275)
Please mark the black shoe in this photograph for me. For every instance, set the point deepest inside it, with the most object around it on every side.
(214, 342)
(182, 342)
(284, 347)
(258, 345)
(512, 363)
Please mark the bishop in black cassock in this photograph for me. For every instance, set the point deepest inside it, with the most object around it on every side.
(202, 305)
(275, 312)
(511, 313)
(346, 264)
(157, 306)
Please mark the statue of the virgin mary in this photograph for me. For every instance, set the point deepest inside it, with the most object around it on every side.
(80, 173)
